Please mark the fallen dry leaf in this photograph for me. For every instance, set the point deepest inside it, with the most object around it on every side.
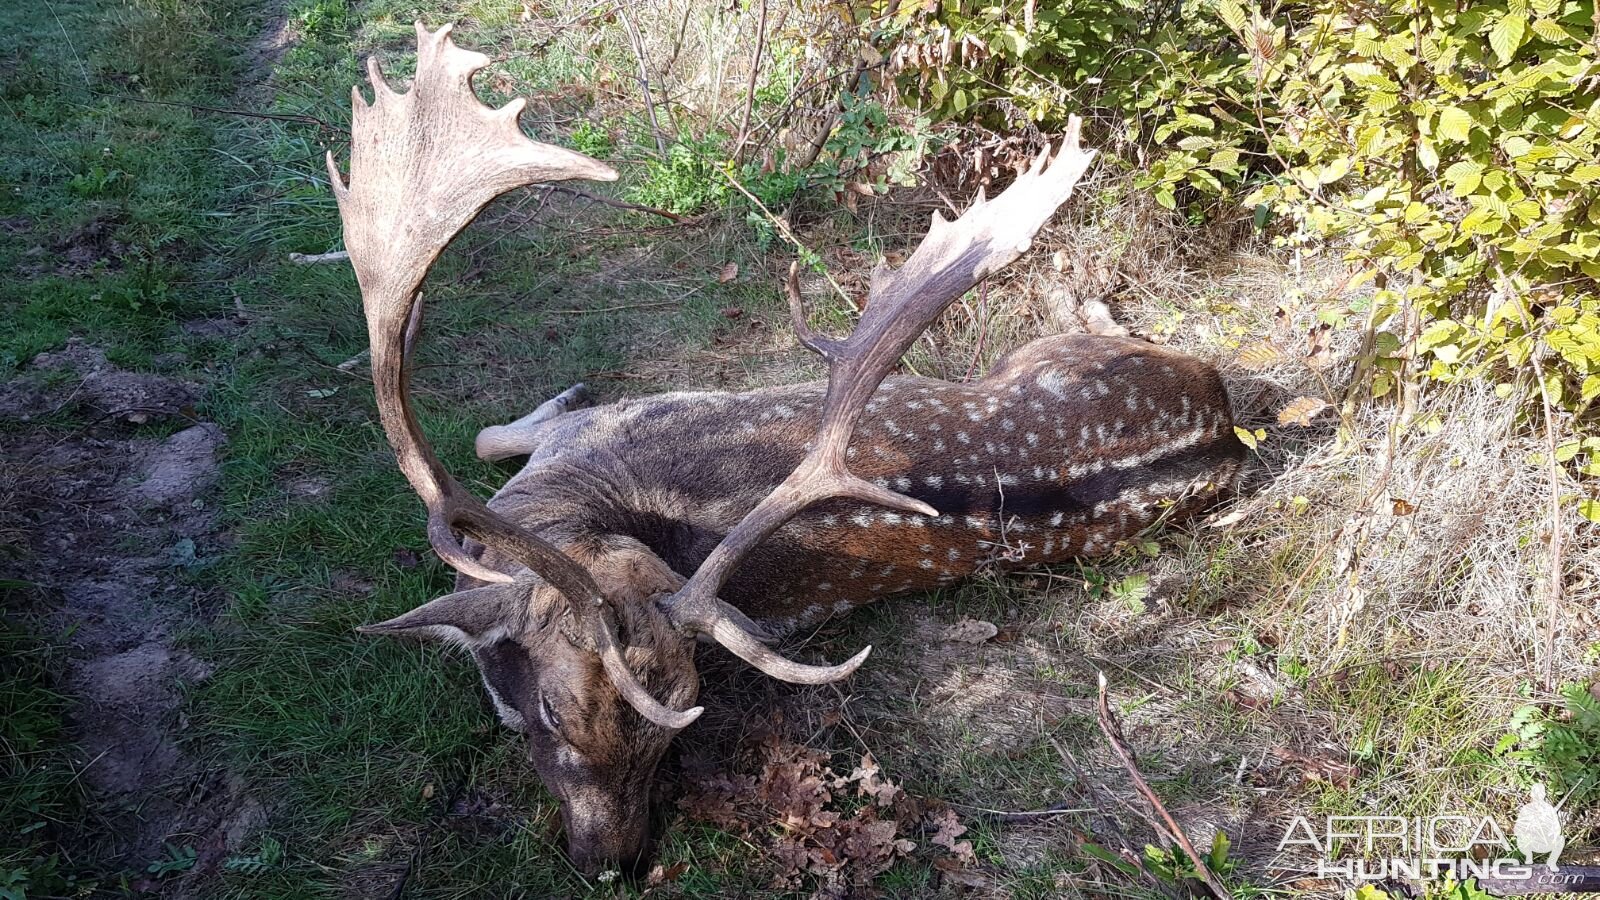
(1301, 410)
(1259, 356)
(952, 872)
(969, 631)
(868, 783)
(1232, 518)
(1319, 349)
(659, 876)
(729, 272)
(948, 829)
(1317, 768)
(796, 791)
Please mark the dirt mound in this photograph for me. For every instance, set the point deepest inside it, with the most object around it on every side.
(80, 376)
(111, 521)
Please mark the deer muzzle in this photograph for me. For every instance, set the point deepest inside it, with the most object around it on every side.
(606, 832)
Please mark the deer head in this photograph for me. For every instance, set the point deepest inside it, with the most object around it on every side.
(587, 646)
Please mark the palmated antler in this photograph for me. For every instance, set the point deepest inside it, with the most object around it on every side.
(423, 164)
(901, 304)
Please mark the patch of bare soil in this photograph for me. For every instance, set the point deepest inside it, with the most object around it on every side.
(115, 523)
(270, 43)
(91, 246)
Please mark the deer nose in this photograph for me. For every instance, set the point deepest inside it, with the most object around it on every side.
(632, 866)
(631, 858)
(613, 840)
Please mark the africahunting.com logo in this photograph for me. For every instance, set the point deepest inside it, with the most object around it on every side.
(1384, 848)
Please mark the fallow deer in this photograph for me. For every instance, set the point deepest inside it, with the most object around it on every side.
(638, 527)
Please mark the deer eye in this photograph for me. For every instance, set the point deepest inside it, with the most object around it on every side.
(547, 715)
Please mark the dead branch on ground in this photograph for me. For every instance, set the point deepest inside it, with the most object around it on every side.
(1113, 733)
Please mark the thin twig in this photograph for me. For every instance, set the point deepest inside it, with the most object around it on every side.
(750, 86)
(1555, 587)
(1128, 856)
(1026, 815)
(983, 328)
(789, 235)
(1113, 733)
(644, 77)
(619, 204)
(297, 118)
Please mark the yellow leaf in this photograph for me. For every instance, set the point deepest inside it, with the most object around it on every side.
(1454, 124)
(1463, 177)
(1245, 437)
(1585, 174)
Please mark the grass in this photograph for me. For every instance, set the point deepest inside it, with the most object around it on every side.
(379, 762)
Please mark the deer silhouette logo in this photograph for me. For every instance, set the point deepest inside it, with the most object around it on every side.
(1538, 828)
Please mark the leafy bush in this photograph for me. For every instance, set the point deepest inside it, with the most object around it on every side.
(1448, 150)
(1452, 152)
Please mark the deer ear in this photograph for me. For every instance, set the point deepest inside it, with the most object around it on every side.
(476, 616)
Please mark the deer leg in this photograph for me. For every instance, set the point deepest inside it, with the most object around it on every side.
(1097, 319)
(522, 437)
(1071, 315)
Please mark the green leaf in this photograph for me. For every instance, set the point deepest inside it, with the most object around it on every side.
(1507, 35)
(1232, 14)
(1464, 177)
(1585, 174)
(1589, 508)
(1551, 30)
(1454, 124)
(1218, 857)
(1335, 170)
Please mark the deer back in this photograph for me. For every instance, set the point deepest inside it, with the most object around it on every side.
(1073, 443)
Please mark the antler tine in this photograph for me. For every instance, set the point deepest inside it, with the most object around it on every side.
(901, 304)
(422, 165)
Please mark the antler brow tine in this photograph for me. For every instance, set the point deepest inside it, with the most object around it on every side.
(901, 304)
(422, 165)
